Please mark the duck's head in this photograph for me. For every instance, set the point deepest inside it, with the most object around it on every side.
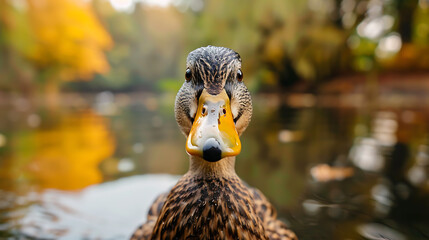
(213, 107)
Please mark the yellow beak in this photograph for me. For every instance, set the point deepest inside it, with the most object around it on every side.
(213, 135)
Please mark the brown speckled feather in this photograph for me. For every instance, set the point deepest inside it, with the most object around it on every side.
(274, 228)
(212, 208)
(203, 208)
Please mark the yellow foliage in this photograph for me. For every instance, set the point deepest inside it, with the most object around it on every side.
(68, 38)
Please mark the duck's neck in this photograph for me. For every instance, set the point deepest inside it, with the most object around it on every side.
(202, 168)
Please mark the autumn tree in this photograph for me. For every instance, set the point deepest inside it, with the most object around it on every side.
(61, 40)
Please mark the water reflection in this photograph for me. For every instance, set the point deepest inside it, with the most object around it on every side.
(325, 173)
(64, 155)
(418, 173)
(104, 104)
(380, 193)
(379, 231)
(368, 152)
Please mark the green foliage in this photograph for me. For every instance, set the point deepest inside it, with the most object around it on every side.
(169, 85)
(421, 26)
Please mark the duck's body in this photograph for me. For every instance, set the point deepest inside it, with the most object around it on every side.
(212, 207)
(211, 201)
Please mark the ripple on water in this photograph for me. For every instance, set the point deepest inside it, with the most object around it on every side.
(110, 210)
(379, 231)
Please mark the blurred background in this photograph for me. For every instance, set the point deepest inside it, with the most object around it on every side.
(339, 136)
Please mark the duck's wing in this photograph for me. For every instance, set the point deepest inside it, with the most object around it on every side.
(276, 229)
(144, 232)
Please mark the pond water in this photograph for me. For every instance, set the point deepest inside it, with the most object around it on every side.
(335, 167)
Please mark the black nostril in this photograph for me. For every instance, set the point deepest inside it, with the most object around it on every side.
(211, 150)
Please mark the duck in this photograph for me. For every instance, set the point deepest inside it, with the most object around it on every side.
(213, 108)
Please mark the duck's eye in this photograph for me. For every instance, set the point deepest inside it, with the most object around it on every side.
(239, 75)
(188, 74)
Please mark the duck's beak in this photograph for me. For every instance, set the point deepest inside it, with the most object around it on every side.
(213, 135)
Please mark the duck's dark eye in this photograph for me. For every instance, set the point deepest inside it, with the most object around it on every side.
(188, 74)
(239, 75)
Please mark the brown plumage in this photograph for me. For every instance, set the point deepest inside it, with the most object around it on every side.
(210, 201)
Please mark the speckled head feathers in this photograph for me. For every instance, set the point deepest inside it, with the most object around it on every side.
(213, 66)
